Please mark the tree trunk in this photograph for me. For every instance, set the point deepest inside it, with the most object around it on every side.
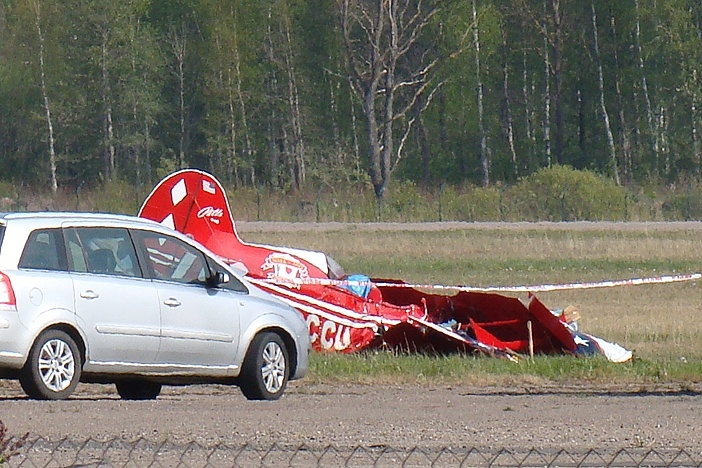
(626, 136)
(614, 167)
(663, 123)
(696, 146)
(248, 147)
(558, 79)
(231, 162)
(509, 125)
(652, 122)
(273, 134)
(527, 92)
(547, 103)
(178, 41)
(582, 132)
(425, 149)
(354, 131)
(484, 158)
(334, 116)
(109, 135)
(45, 98)
(297, 142)
(374, 155)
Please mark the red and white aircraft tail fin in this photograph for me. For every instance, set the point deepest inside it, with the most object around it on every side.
(194, 203)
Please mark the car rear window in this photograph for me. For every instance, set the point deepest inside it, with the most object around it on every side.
(2, 234)
(43, 251)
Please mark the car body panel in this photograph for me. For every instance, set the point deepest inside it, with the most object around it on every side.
(42, 305)
(120, 317)
(198, 323)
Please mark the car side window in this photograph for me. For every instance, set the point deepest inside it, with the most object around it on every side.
(43, 251)
(76, 258)
(106, 251)
(169, 258)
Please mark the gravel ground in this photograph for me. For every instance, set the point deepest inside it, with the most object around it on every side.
(573, 418)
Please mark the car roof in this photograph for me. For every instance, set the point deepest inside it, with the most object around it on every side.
(63, 216)
(56, 219)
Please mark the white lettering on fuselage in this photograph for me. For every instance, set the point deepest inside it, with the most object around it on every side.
(329, 334)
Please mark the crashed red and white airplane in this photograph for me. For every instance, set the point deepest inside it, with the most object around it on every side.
(349, 313)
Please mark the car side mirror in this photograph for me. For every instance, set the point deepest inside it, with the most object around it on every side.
(219, 278)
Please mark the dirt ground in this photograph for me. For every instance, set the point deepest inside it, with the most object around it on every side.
(574, 418)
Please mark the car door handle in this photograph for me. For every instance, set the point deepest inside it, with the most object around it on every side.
(172, 302)
(89, 294)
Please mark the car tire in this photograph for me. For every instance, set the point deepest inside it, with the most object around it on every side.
(53, 368)
(264, 374)
(138, 389)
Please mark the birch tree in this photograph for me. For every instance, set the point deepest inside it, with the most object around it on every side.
(38, 23)
(627, 157)
(614, 167)
(651, 120)
(484, 150)
(389, 72)
(507, 108)
(551, 22)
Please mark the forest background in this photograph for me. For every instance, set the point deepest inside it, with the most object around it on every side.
(357, 110)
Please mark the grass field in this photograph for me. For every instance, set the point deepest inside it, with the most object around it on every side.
(661, 323)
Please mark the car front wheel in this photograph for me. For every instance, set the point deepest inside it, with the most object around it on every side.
(266, 368)
(53, 368)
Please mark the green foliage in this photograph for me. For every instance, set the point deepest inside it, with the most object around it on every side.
(267, 102)
(7, 190)
(405, 202)
(685, 206)
(475, 204)
(561, 193)
(112, 197)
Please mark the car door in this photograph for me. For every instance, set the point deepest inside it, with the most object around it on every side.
(116, 306)
(199, 323)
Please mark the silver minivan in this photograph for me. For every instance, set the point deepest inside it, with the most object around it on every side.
(117, 299)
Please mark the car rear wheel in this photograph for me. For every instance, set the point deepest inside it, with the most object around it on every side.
(137, 389)
(266, 368)
(53, 368)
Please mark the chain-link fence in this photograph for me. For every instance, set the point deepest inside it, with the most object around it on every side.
(40, 452)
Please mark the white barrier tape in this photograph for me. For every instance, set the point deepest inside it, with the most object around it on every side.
(532, 288)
